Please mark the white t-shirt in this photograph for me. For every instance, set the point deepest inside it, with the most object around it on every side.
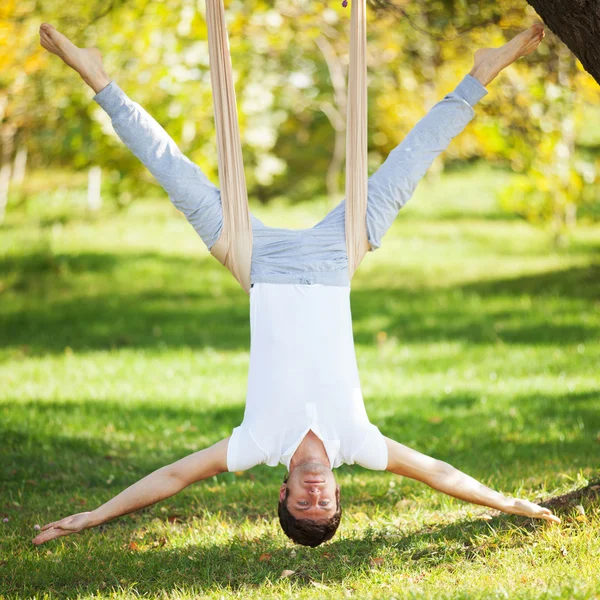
(303, 375)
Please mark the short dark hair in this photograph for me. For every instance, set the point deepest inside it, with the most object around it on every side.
(308, 532)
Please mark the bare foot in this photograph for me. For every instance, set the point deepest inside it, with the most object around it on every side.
(86, 61)
(490, 61)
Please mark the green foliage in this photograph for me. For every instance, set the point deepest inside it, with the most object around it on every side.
(285, 59)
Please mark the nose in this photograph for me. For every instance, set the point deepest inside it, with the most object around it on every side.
(314, 490)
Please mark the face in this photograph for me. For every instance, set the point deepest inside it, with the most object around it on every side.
(312, 492)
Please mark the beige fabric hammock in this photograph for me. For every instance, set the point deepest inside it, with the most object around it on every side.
(234, 246)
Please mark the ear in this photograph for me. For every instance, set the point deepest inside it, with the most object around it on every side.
(337, 492)
(282, 491)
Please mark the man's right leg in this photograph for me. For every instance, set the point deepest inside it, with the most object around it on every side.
(188, 187)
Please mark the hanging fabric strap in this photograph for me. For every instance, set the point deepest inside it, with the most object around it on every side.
(357, 243)
(234, 246)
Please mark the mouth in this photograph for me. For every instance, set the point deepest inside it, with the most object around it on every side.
(314, 481)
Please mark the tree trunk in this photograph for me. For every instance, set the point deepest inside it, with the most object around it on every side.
(577, 24)
(7, 138)
(20, 163)
(94, 188)
(335, 113)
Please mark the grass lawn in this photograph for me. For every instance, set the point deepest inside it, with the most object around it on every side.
(124, 346)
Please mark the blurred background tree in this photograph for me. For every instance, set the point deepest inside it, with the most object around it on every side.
(541, 121)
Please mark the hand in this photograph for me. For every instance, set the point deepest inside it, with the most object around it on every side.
(529, 509)
(66, 526)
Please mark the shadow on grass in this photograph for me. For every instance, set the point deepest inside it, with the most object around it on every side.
(123, 442)
(40, 263)
(172, 302)
(239, 564)
(487, 311)
(533, 434)
(539, 435)
(576, 282)
(81, 302)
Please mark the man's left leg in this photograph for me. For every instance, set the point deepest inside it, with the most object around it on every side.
(393, 184)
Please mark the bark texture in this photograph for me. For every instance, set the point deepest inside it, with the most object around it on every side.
(577, 24)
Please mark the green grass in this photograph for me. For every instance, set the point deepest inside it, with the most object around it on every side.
(124, 346)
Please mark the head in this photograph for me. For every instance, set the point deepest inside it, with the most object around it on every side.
(309, 504)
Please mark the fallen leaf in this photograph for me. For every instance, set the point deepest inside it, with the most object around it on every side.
(173, 518)
(327, 555)
(319, 586)
(160, 542)
(376, 562)
(563, 551)
(133, 546)
(264, 556)
(286, 573)
(580, 509)
(487, 517)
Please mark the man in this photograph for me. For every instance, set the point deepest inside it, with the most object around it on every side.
(309, 437)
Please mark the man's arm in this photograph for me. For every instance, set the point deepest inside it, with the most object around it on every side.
(162, 483)
(443, 477)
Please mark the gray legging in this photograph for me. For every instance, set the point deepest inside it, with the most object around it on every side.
(315, 255)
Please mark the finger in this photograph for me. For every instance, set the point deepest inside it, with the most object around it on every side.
(48, 525)
(44, 537)
(551, 517)
(555, 519)
(50, 534)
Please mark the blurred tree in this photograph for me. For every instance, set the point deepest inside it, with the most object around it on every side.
(575, 22)
(546, 92)
(290, 62)
(554, 177)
